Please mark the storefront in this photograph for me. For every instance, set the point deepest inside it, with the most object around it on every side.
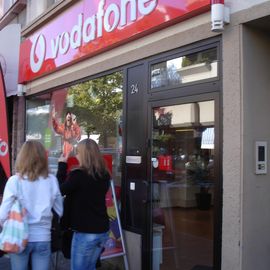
(145, 83)
(174, 106)
(177, 98)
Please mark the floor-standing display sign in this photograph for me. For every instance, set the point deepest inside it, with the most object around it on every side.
(115, 245)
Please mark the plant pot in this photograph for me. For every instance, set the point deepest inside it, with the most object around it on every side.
(203, 200)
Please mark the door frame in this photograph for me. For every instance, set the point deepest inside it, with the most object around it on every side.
(147, 235)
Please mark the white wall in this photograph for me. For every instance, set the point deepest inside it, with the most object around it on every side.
(246, 118)
(232, 160)
(237, 5)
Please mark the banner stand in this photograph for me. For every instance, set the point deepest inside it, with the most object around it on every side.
(123, 252)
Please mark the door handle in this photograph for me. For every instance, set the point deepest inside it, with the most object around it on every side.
(146, 183)
(146, 201)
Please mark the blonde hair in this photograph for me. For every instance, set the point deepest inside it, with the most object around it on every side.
(90, 157)
(32, 161)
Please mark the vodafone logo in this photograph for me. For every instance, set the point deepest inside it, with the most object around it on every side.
(38, 49)
(3, 148)
(88, 29)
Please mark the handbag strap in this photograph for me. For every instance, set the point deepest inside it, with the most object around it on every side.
(19, 191)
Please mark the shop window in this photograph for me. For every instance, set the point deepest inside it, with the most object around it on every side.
(92, 109)
(185, 69)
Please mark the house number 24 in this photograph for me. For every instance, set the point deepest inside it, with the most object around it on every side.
(134, 89)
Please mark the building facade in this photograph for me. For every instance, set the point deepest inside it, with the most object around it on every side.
(181, 112)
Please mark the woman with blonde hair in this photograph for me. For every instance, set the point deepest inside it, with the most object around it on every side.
(39, 194)
(85, 187)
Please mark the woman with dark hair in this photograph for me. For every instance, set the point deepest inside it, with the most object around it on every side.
(86, 188)
(39, 192)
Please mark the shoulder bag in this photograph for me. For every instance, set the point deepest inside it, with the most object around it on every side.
(14, 235)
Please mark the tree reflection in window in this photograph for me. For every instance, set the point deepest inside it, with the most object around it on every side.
(98, 104)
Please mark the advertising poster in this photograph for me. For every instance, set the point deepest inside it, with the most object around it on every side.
(114, 246)
(69, 130)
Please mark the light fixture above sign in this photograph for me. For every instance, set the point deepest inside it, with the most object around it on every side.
(220, 15)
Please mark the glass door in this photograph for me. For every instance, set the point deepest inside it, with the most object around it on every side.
(182, 186)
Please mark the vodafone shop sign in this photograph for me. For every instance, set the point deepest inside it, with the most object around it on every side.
(90, 27)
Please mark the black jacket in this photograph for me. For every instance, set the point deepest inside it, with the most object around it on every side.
(85, 196)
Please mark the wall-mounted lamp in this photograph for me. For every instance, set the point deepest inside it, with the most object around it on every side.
(220, 15)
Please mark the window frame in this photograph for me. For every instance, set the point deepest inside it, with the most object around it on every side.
(181, 53)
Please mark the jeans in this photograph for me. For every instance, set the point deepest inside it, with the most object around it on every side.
(85, 250)
(40, 257)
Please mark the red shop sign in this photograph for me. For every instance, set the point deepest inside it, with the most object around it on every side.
(91, 27)
(165, 163)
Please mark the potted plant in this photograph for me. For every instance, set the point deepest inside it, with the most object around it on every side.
(197, 174)
(204, 198)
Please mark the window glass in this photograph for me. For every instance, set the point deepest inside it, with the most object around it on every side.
(183, 186)
(36, 8)
(51, 2)
(92, 109)
(185, 69)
